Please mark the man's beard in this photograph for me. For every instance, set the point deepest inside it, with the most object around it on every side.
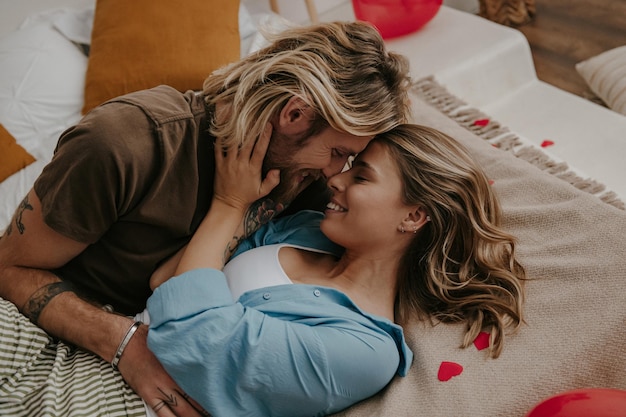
(278, 156)
(288, 189)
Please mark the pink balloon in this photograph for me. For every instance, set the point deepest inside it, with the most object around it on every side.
(395, 18)
(589, 402)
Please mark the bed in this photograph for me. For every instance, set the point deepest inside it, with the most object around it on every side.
(571, 239)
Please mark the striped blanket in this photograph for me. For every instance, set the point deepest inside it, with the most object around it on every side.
(41, 376)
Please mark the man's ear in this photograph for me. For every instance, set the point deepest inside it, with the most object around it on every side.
(295, 116)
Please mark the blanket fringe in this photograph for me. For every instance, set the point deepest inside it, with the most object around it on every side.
(501, 137)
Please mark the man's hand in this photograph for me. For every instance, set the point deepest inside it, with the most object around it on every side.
(143, 372)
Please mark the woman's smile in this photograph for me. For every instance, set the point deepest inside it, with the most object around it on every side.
(332, 206)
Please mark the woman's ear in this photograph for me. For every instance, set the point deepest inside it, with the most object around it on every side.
(415, 220)
(295, 117)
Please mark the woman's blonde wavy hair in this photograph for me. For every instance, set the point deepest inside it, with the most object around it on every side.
(461, 266)
(342, 70)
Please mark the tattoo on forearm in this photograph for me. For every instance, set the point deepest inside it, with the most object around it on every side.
(259, 213)
(9, 229)
(40, 299)
(24, 205)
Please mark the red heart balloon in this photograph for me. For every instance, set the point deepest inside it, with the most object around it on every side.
(596, 402)
(395, 18)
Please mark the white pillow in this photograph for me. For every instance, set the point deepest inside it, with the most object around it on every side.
(76, 26)
(605, 74)
(41, 94)
(41, 88)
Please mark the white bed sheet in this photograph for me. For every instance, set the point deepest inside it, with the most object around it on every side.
(40, 95)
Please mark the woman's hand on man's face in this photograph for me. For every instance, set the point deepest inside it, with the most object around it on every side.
(238, 179)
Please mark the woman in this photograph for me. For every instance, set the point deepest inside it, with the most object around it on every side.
(296, 326)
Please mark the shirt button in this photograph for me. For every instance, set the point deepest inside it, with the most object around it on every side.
(267, 296)
(316, 293)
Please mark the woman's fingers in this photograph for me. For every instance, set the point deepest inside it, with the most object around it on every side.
(272, 178)
(259, 148)
(255, 150)
(239, 170)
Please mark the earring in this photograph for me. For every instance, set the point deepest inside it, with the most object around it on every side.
(402, 229)
(427, 218)
(414, 229)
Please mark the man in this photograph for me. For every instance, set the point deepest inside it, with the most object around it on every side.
(130, 183)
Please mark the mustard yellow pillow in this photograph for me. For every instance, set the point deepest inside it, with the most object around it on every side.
(12, 156)
(138, 44)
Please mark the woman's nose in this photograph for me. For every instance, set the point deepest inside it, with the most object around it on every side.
(336, 182)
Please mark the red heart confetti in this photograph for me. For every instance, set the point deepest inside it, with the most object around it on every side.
(481, 122)
(491, 182)
(448, 370)
(546, 143)
(482, 341)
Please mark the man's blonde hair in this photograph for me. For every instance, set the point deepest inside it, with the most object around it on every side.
(342, 70)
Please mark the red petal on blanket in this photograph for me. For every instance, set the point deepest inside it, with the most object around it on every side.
(482, 341)
(546, 143)
(448, 370)
(481, 122)
(491, 182)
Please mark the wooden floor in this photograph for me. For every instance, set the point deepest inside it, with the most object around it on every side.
(564, 32)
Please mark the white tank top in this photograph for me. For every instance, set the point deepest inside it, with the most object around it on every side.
(255, 268)
(258, 268)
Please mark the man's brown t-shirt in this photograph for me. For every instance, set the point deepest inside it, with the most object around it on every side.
(133, 179)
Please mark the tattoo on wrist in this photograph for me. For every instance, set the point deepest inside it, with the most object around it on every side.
(40, 299)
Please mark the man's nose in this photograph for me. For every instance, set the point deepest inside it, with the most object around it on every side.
(334, 168)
